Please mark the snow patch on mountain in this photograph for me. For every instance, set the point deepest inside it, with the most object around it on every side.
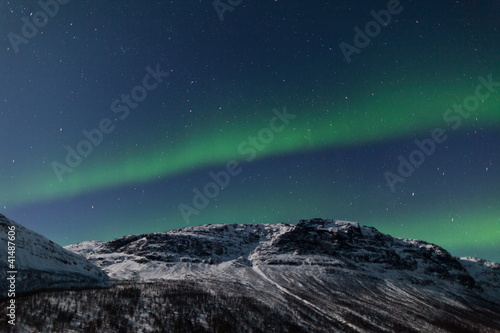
(41, 263)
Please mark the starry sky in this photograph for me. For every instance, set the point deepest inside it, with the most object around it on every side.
(147, 116)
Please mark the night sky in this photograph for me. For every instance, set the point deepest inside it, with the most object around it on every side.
(115, 118)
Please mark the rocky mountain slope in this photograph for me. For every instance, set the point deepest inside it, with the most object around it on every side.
(326, 244)
(42, 264)
(328, 275)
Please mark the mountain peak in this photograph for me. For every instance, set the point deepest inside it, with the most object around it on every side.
(328, 223)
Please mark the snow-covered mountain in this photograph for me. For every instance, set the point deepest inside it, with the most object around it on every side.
(316, 276)
(221, 248)
(42, 264)
(328, 275)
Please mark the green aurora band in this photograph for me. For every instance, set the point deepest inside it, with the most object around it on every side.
(386, 116)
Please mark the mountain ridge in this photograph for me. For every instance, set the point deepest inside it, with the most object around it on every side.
(322, 242)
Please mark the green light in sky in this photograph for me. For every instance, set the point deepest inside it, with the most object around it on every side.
(392, 115)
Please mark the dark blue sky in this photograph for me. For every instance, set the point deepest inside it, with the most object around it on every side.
(146, 116)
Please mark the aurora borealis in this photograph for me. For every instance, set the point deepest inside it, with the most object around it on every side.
(351, 122)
